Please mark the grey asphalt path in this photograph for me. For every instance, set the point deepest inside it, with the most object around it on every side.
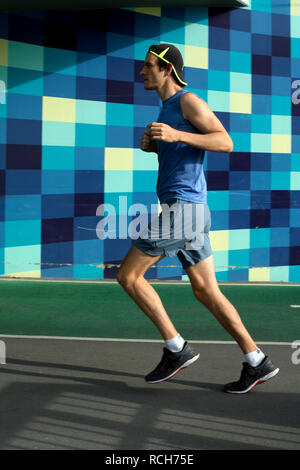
(91, 395)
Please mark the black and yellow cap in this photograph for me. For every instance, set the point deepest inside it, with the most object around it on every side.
(170, 54)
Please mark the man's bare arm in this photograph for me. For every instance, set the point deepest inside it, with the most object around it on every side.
(212, 135)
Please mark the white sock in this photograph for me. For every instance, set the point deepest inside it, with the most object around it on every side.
(175, 344)
(254, 358)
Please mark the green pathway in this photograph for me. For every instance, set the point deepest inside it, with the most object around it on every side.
(102, 310)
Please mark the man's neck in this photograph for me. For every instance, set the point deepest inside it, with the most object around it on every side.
(167, 90)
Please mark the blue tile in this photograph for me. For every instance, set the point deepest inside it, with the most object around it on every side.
(57, 205)
(59, 85)
(23, 182)
(219, 38)
(280, 218)
(118, 67)
(89, 181)
(23, 207)
(119, 136)
(279, 257)
(280, 24)
(261, 44)
(24, 106)
(259, 257)
(240, 19)
(24, 131)
(239, 219)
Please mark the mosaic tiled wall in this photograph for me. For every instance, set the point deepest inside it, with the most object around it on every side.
(72, 111)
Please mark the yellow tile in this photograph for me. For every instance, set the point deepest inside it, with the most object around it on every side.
(3, 52)
(196, 57)
(59, 109)
(219, 240)
(281, 143)
(295, 7)
(31, 274)
(118, 159)
(259, 274)
(155, 11)
(240, 103)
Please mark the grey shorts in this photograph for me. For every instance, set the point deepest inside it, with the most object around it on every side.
(181, 229)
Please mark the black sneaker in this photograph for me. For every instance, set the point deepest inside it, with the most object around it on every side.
(171, 363)
(252, 376)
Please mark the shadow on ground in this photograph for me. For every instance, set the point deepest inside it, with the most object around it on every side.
(57, 394)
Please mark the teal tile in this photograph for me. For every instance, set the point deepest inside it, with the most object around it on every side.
(240, 62)
(221, 260)
(295, 26)
(58, 133)
(281, 104)
(90, 112)
(90, 135)
(239, 239)
(283, 180)
(218, 100)
(119, 114)
(260, 238)
(295, 48)
(261, 143)
(144, 160)
(117, 181)
(172, 31)
(261, 123)
(240, 82)
(22, 232)
(258, 5)
(294, 181)
(241, 141)
(218, 200)
(58, 158)
(196, 34)
(281, 124)
(22, 258)
(141, 47)
(295, 162)
(144, 181)
(239, 259)
(279, 274)
(27, 82)
(89, 271)
(294, 275)
(218, 80)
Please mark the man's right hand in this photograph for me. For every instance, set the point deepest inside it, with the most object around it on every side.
(147, 143)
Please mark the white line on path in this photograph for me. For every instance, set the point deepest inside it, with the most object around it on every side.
(132, 340)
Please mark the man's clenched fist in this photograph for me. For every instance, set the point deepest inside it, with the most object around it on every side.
(147, 143)
(160, 131)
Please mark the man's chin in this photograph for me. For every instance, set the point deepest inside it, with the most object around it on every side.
(148, 87)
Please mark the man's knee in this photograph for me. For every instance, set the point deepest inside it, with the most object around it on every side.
(204, 291)
(199, 291)
(125, 279)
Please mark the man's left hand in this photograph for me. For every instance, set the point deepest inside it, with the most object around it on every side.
(160, 131)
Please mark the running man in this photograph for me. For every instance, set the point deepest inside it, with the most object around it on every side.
(186, 128)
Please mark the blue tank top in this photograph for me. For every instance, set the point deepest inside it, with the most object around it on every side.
(180, 170)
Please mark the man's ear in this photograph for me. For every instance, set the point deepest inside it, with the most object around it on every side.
(169, 69)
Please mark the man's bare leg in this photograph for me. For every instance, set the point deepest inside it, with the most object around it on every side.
(131, 278)
(206, 290)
